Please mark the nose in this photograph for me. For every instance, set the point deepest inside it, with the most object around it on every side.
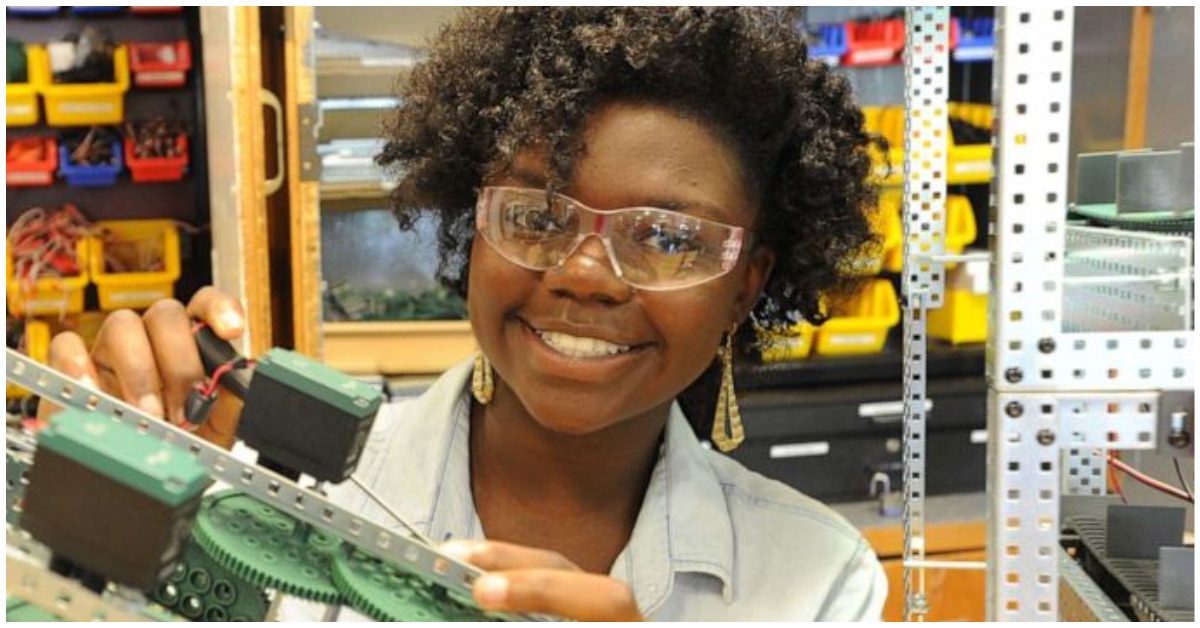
(588, 273)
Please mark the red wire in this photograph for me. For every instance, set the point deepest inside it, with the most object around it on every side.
(220, 372)
(216, 377)
(1149, 481)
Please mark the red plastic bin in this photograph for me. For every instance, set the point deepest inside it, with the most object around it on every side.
(160, 64)
(30, 161)
(877, 42)
(157, 169)
(155, 10)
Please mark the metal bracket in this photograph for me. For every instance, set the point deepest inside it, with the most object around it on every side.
(1029, 435)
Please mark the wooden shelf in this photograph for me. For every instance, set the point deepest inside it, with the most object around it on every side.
(401, 347)
(355, 190)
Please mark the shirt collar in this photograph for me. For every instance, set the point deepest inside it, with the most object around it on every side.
(683, 525)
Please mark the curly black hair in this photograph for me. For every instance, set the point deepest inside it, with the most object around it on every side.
(498, 80)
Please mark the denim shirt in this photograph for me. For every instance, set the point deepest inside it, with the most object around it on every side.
(713, 541)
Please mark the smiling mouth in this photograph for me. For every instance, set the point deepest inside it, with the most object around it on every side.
(580, 347)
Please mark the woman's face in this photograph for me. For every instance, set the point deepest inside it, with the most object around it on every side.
(539, 327)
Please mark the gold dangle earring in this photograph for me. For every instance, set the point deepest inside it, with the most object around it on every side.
(727, 431)
(482, 386)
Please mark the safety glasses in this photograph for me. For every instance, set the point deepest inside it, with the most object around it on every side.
(650, 248)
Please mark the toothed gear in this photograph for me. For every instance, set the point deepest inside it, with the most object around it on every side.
(385, 592)
(267, 547)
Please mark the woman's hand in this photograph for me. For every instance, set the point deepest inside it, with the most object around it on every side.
(151, 361)
(526, 580)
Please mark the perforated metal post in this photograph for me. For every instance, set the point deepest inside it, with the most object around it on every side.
(925, 56)
(1057, 400)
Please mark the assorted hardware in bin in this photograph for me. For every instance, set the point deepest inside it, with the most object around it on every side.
(30, 161)
(82, 80)
(156, 150)
(46, 264)
(91, 159)
(160, 64)
(52, 256)
(134, 262)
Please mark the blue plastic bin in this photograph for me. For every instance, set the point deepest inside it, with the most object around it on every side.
(79, 175)
(976, 39)
(33, 11)
(96, 10)
(830, 44)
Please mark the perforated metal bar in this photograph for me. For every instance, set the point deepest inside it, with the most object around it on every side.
(925, 60)
(915, 413)
(1023, 455)
(260, 483)
(1031, 97)
(926, 54)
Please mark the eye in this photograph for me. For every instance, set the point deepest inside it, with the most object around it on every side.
(669, 240)
(537, 219)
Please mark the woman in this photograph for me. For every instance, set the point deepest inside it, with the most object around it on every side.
(644, 181)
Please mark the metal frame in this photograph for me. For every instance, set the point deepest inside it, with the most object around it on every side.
(1050, 390)
(269, 487)
(926, 50)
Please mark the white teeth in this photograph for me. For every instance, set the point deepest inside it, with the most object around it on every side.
(576, 347)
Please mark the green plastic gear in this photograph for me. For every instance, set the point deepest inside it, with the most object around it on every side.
(267, 547)
(202, 590)
(385, 592)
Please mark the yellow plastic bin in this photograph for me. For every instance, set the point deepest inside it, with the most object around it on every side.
(962, 319)
(861, 324)
(36, 346)
(85, 104)
(21, 99)
(142, 243)
(961, 230)
(888, 122)
(52, 296)
(970, 163)
(794, 345)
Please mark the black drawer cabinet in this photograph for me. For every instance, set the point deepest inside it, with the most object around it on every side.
(829, 441)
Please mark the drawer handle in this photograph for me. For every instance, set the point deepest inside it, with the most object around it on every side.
(799, 450)
(887, 412)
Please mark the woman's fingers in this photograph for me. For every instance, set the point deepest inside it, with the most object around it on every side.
(125, 362)
(179, 368)
(497, 555)
(529, 580)
(220, 311)
(69, 356)
(568, 594)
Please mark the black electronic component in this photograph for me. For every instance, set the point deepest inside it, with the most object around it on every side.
(307, 416)
(215, 352)
(199, 405)
(111, 500)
